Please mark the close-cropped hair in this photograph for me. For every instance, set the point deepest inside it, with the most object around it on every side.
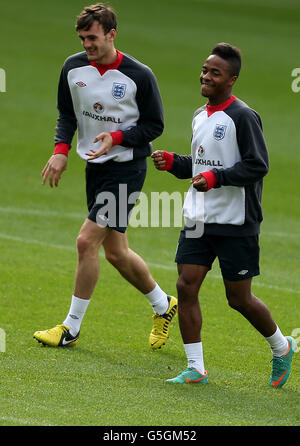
(231, 54)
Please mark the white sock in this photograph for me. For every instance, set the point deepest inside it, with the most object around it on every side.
(158, 299)
(194, 353)
(278, 343)
(75, 316)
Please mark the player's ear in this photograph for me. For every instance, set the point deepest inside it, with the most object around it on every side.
(233, 80)
(112, 33)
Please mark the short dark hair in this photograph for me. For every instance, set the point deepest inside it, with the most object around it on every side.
(230, 53)
(100, 12)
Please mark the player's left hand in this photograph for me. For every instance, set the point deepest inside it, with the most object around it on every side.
(105, 147)
(199, 183)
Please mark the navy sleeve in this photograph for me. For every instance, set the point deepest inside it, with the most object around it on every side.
(150, 124)
(254, 164)
(151, 121)
(66, 121)
(182, 166)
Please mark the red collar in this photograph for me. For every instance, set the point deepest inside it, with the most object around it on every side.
(102, 68)
(213, 108)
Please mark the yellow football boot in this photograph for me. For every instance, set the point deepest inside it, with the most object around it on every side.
(59, 336)
(161, 325)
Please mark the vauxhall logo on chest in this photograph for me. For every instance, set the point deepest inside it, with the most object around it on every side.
(99, 110)
(206, 162)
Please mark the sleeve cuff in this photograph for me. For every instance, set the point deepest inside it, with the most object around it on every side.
(211, 179)
(62, 148)
(169, 158)
(117, 137)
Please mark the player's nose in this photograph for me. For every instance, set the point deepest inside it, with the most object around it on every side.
(205, 76)
(86, 43)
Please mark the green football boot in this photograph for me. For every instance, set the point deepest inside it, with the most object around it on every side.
(190, 376)
(281, 368)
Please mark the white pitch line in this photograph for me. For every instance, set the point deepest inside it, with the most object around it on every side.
(35, 242)
(151, 264)
(79, 216)
(280, 234)
(42, 213)
(22, 421)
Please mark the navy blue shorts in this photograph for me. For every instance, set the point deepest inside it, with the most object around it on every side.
(112, 189)
(238, 256)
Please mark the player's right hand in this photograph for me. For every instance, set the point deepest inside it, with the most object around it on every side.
(56, 165)
(162, 160)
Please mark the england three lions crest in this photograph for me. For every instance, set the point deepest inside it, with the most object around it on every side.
(219, 131)
(118, 90)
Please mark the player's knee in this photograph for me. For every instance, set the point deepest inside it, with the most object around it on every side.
(237, 302)
(111, 257)
(84, 244)
(185, 288)
(181, 285)
(115, 257)
(234, 304)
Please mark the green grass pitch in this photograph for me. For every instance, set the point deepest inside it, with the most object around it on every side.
(112, 378)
